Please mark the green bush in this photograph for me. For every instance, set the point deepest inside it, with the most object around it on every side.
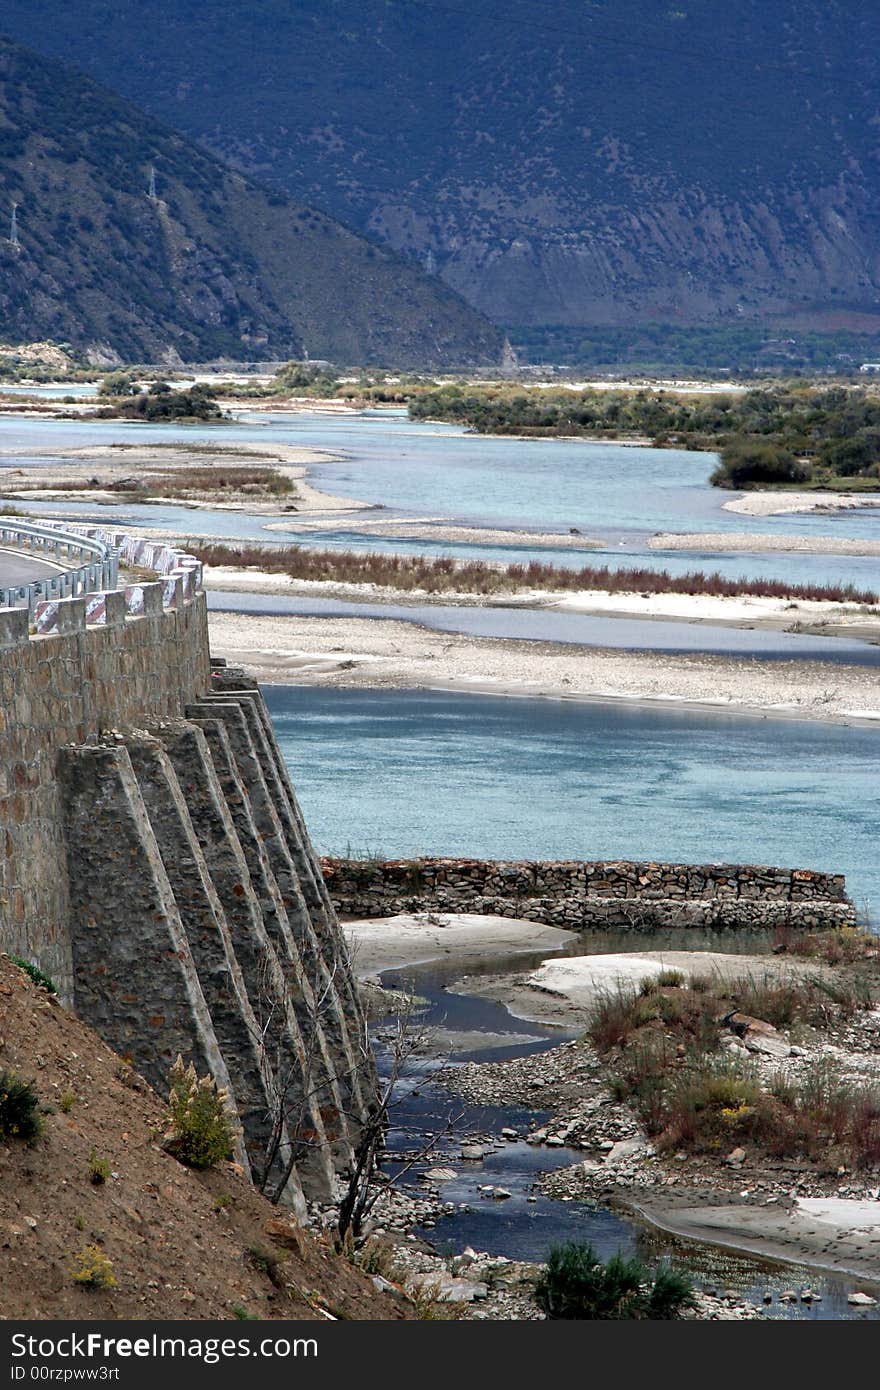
(752, 463)
(38, 976)
(99, 1169)
(19, 1114)
(575, 1284)
(203, 1132)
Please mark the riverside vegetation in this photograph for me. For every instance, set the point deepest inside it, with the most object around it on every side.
(443, 575)
(671, 1050)
(780, 435)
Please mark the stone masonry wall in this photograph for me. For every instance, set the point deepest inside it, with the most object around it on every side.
(66, 687)
(154, 862)
(580, 895)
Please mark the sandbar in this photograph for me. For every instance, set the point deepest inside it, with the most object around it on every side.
(389, 654)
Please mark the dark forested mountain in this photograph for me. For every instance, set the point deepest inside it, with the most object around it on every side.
(133, 241)
(614, 162)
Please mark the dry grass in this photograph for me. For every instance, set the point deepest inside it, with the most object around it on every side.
(445, 575)
(662, 1045)
(692, 1016)
(841, 947)
(187, 483)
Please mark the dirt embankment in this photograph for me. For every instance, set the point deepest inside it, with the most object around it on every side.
(182, 1244)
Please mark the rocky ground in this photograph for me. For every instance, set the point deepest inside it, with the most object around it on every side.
(472, 1284)
(785, 1208)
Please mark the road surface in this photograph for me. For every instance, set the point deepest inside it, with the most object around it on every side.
(16, 567)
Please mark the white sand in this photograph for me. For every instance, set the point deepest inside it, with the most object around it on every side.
(563, 992)
(728, 542)
(439, 528)
(387, 943)
(782, 503)
(751, 609)
(582, 979)
(828, 1233)
(385, 654)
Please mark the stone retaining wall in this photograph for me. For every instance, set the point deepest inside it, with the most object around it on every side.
(581, 895)
(155, 862)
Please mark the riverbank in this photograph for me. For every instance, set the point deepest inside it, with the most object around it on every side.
(389, 654)
(107, 474)
(824, 1214)
(795, 1212)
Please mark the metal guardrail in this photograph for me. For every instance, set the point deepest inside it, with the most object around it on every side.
(98, 568)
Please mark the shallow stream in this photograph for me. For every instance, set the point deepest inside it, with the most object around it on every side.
(524, 1225)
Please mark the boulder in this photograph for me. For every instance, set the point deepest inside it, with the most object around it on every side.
(768, 1044)
(473, 1152)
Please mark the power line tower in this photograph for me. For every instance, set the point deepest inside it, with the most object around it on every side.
(151, 191)
(430, 263)
(13, 226)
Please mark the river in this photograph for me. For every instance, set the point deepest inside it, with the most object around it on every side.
(408, 773)
(619, 494)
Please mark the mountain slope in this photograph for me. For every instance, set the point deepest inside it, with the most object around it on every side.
(212, 265)
(180, 1243)
(581, 163)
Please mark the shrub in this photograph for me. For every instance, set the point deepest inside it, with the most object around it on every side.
(99, 1169)
(203, 1132)
(705, 1107)
(19, 1114)
(37, 975)
(671, 1292)
(864, 1145)
(753, 463)
(575, 1284)
(617, 1012)
(94, 1269)
(670, 979)
(623, 1011)
(810, 1114)
(816, 1000)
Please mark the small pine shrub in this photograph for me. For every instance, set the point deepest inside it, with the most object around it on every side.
(19, 1113)
(575, 1284)
(93, 1269)
(671, 1291)
(38, 976)
(203, 1132)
